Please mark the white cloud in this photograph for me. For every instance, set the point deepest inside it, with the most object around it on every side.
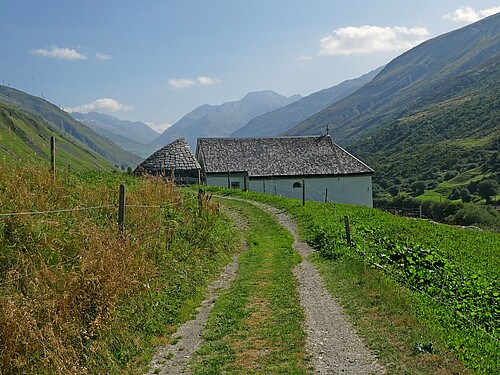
(207, 80)
(159, 128)
(100, 105)
(59, 53)
(467, 14)
(304, 59)
(103, 56)
(182, 83)
(367, 39)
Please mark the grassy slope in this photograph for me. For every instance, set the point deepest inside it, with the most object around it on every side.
(409, 330)
(75, 297)
(24, 136)
(459, 133)
(67, 124)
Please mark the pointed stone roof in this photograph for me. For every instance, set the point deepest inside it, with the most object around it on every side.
(279, 156)
(175, 156)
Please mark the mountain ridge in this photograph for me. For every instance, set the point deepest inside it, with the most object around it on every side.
(66, 124)
(221, 120)
(406, 78)
(282, 119)
(132, 136)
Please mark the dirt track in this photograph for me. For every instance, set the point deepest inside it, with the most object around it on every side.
(332, 342)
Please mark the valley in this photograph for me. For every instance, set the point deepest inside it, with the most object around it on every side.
(101, 268)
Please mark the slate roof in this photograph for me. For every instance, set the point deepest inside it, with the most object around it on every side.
(176, 155)
(280, 156)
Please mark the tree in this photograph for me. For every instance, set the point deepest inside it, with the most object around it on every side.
(487, 189)
(394, 190)
(418, 187)
(460, 193)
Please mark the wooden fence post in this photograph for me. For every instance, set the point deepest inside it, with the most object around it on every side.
(53, 156)
(326, 195)
(347, 230)
(228, 180)
(121, 209)
(200, 200)
(264, 186)
(303, 192)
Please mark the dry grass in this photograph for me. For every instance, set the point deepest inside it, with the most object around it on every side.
(62, 276)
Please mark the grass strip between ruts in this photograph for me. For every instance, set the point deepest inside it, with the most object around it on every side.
(255, 326)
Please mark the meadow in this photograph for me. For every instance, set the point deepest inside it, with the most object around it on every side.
(76, 295)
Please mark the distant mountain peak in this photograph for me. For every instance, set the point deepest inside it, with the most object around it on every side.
(221, 120)
(276, 122)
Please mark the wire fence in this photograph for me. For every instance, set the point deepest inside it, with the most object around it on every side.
(75, 209)
(328, 195)
(130, 224)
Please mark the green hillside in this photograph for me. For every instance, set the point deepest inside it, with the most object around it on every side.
(447, 139)
(25, 136)
(67, 124)
(406, 79)
(430, 120)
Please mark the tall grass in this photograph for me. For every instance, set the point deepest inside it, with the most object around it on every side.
(75, 296)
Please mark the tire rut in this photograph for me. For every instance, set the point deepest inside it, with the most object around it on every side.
(332, 342)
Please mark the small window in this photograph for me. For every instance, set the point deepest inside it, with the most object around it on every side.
(297, 185)
(235, 184)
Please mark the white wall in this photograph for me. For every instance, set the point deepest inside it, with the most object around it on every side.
(356, 190)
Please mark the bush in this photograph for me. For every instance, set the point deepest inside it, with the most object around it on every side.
(418, 187)
(394, 190)
(485, 217)
(460, 193)
(450, 174)
(488, 188)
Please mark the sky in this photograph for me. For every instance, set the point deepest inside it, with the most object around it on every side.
(155, 61)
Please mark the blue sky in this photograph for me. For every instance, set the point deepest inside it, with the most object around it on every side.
(154, 61)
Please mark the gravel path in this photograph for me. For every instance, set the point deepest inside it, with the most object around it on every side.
(174, 358)
(332, 342)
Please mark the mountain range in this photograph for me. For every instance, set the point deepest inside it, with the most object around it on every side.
(222, 120)
(282, 119)
(431, 115)
(133, 136)
(431, 112)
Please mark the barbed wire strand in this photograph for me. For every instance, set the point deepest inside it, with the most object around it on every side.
(56, 211)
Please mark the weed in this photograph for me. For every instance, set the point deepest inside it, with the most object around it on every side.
(75, 297)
